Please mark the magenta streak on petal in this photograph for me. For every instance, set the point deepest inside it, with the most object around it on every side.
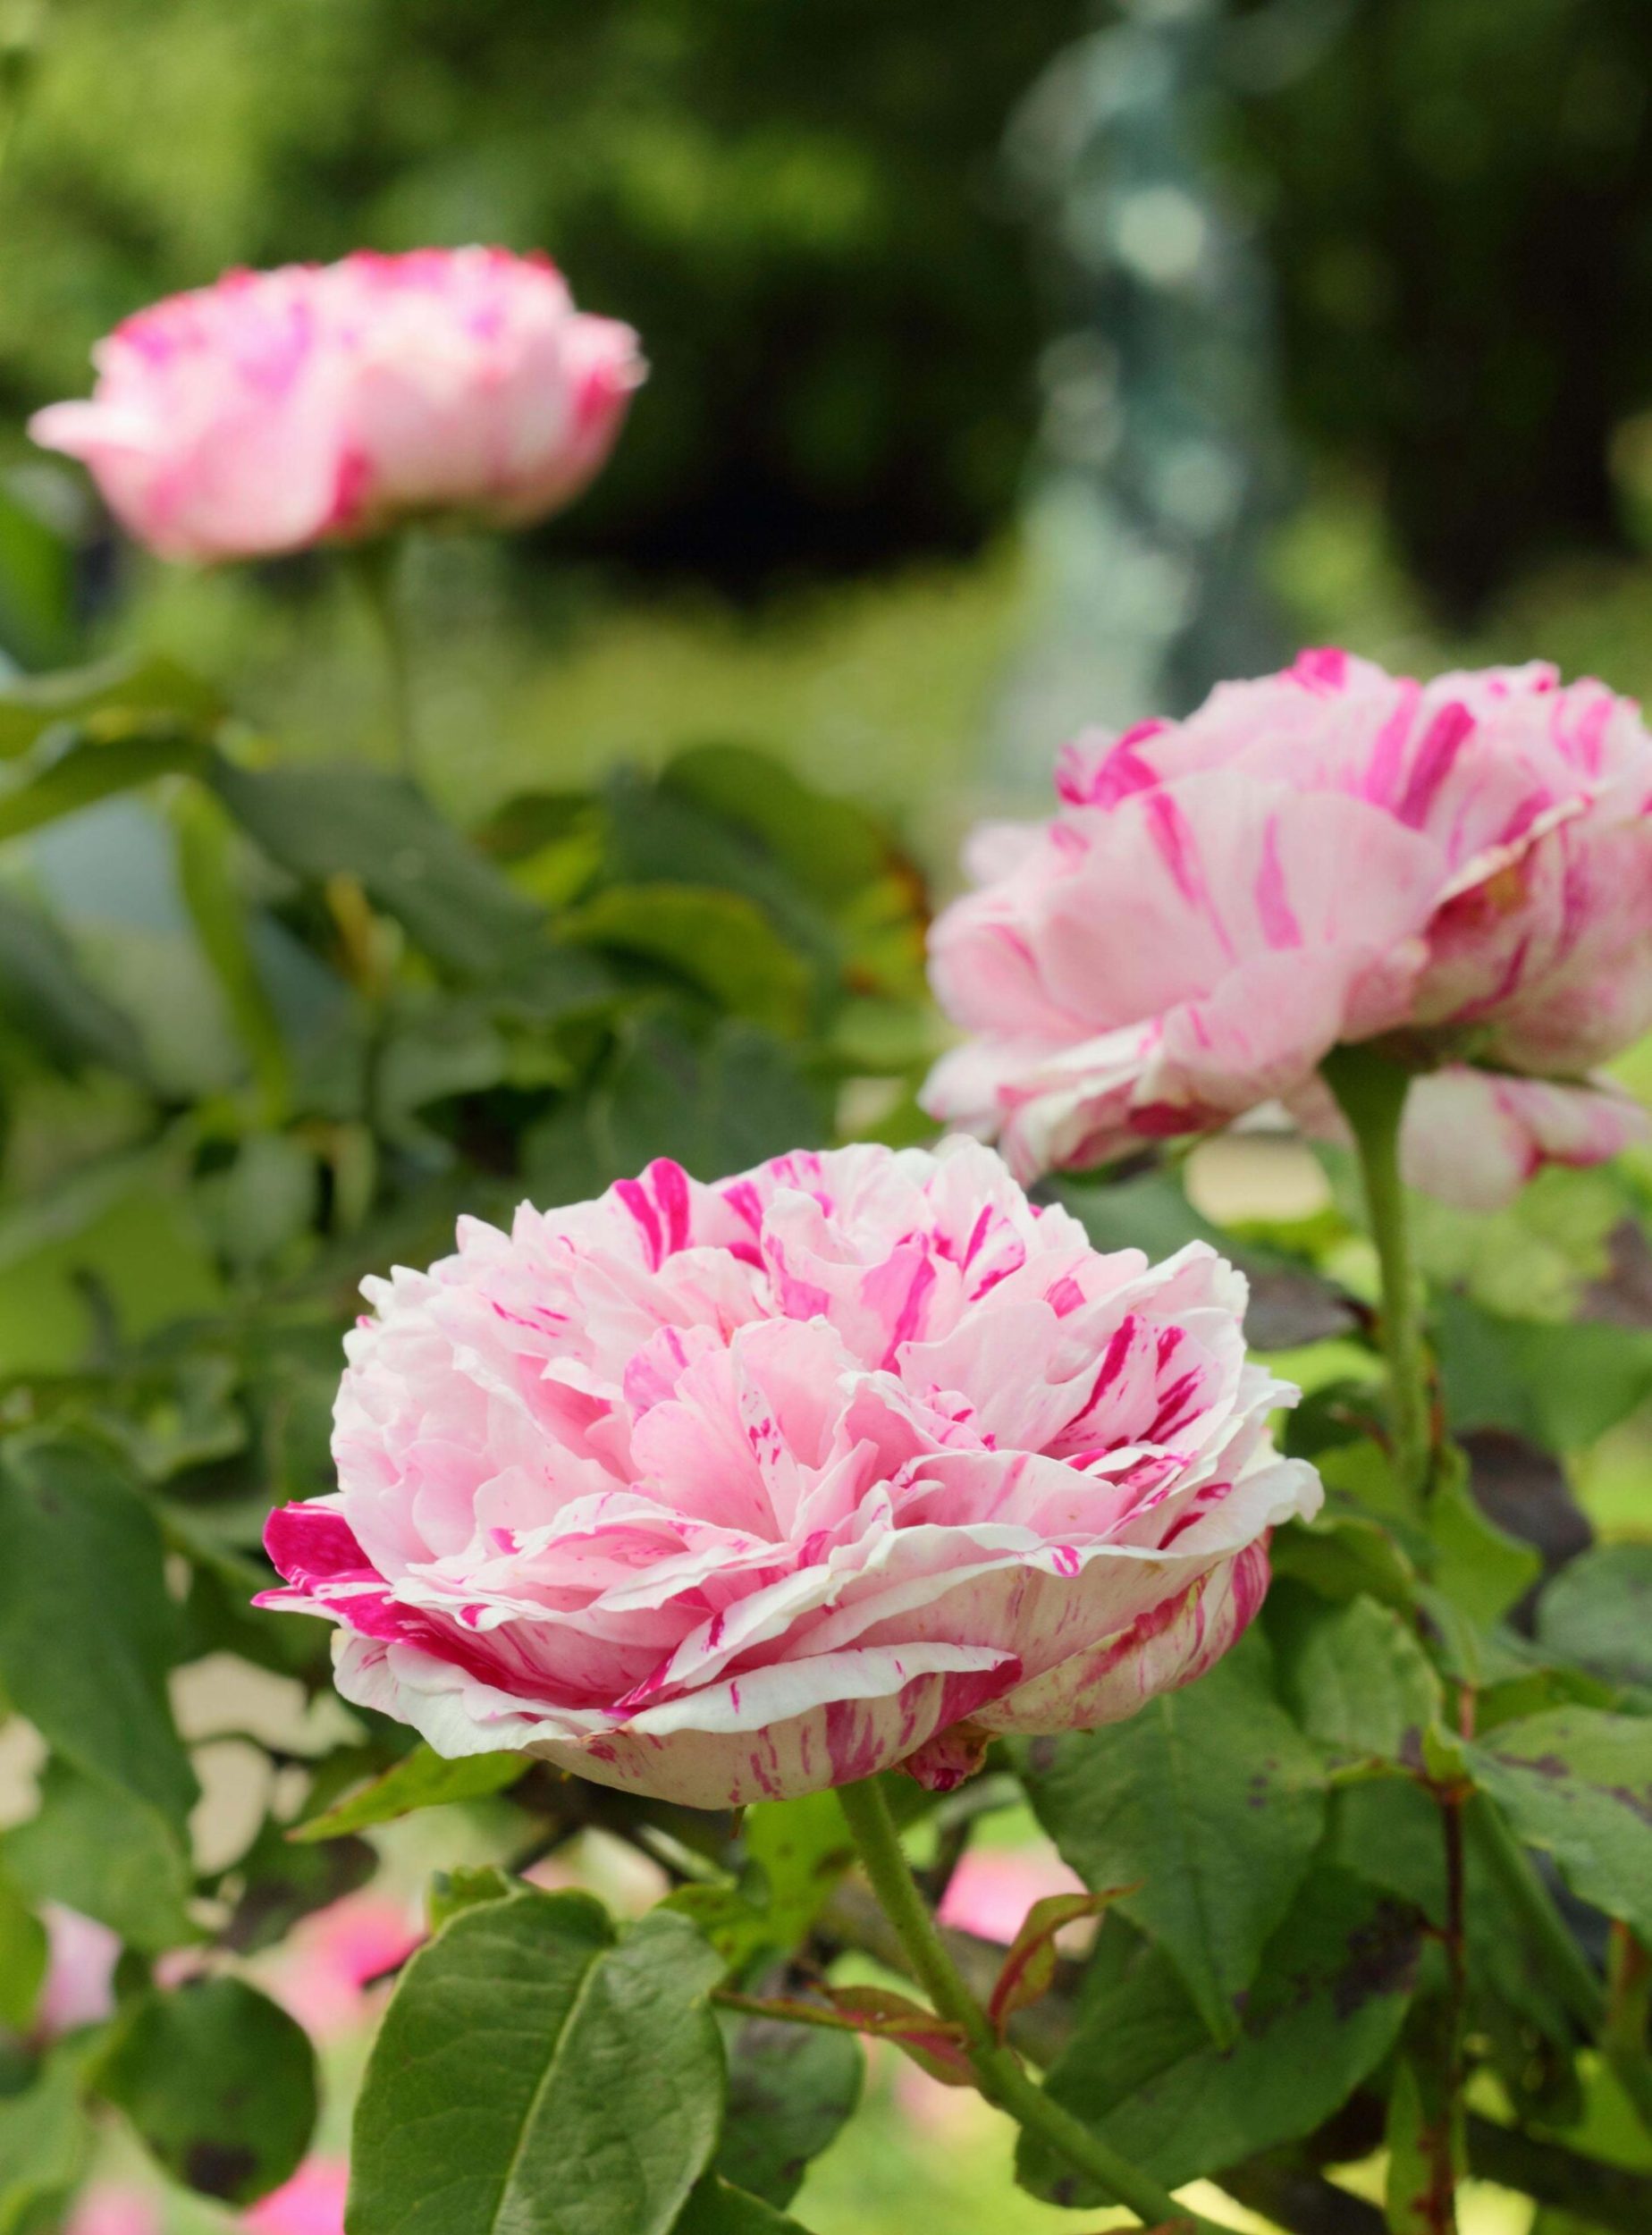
(1280, 927)
(1176, 847)
(1165, 1344)
(1321, 668)
(1513, 970)
(312, 1544)
(1112, 1360)
(1590, 734)
(742, 1198)
(373, 1615)
(1384, 772)
(1169, 1416)
(635, 1197)
(670, 1186)
(906, 1326)
(1065, 1297)
(977, 1236)
(1441, 742)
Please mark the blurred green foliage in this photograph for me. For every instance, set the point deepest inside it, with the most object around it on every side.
(796, 205)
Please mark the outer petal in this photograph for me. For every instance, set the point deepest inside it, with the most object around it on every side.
(1166, 1648)
(870, 1719)
(1474, 1138)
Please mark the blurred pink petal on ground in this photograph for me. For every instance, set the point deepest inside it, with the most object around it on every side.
(324, 1969)
(108, 2207)
(316, 403)
(82, 1955)
(993, 1888)
(1319, 856)
(311, 2203)
(729, 1492)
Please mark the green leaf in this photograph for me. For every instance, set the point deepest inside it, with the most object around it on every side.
(205, 874)
(1597, 1612)
(803, 1847)
(24, 1952)
(1578, 1783)
(715, 2207)
(86, 1629)
(279, 1883)
(219, 2082)
(105, 698)
(534, 2075)
(87, 768)
(1326, 2008)
(1479, 1566)
(791, 2090)
(358, 821)
(1339, 1554)
(46, 999)
(96, 1846)
(422, 1779)
(717, 1105)
(827, 845)
(721, 941)
(1211, 1802)
(463, 1888)
(1562, 1385)
(1029, 1968)
(46, 2138)
(1360, 1682)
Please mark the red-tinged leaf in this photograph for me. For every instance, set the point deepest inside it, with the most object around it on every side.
(1030, 1967)
(935, 2043)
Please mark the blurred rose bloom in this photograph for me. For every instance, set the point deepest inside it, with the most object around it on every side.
(109, 2207)
(325, 1970)
(1327, 855)
(311, 2203)
(724, 1493)
(79, 1988)
(993, 1888)
(319, 403)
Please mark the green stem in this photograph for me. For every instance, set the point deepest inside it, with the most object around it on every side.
(1371, 1092)
(374, 566)
(998, 2070)
(1569, 1970)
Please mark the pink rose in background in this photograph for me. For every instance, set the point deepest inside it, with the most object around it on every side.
(109, 2207)
(725, 1493)
(311, 2203)
(1327, 855)
(993, 1888)
(326, 1965)
(328, 403)
(79, 1988)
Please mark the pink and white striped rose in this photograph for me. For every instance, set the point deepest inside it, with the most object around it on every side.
(327, 403)
(1332, 854)
(731, 1492)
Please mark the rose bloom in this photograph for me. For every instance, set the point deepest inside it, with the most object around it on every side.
(329, 402)
(311, 2203)
(1329, 854)
(79, 1986)
(726, 1493)
(109, 2207)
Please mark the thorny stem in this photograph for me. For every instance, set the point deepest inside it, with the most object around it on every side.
(999, 2073)
(1371, 1092)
